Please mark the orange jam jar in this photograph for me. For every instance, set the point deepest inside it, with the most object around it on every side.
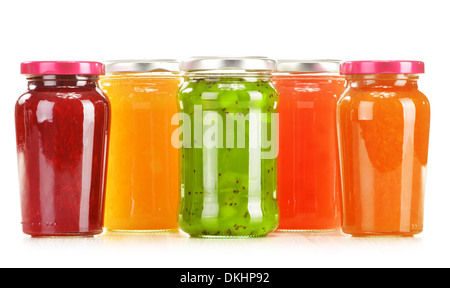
(383, 127)
(143, 168)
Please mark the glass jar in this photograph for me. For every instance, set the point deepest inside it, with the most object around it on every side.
(228, 175)
(62, 131)
(143, 183)
(308, 164)
(384, 123)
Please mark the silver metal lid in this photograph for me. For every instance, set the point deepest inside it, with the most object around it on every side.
(309, 66)
(128, 66)
(252, 63)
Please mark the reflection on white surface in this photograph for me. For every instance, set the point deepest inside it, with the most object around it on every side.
(176, 249)
(274, 241)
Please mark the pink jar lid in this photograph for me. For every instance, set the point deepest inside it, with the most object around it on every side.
(62, 68)
(382, 67)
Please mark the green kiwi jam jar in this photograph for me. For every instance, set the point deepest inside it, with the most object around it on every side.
(229, 147)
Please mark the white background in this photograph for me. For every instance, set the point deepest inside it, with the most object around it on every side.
(345, 29)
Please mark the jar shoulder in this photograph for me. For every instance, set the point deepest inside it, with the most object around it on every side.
(354, 97)
(60, 97)
(216, 90)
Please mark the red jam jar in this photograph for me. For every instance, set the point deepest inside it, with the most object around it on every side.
(309, 188)
(62, 127)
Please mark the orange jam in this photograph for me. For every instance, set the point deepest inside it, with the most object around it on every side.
(384, 123)
(143, 177)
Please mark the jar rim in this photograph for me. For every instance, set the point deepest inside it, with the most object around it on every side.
(151, 65)
(308, 66)
(245, 64)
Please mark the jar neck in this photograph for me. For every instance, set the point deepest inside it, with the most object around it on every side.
(223, 75)
(383, 81)
(299, 78)
(144, 75)
(62, 81)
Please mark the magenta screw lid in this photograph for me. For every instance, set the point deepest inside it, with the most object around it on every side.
(382, 67)
(62, 68)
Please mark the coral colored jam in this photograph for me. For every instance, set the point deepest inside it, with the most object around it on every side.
(143, 182)
(309, 176)
(61, 128)
(384, 123)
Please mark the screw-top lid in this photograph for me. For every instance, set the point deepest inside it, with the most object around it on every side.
(382, 67)
(253, 63)
(62, 68)
(308, 66)
(155, 65)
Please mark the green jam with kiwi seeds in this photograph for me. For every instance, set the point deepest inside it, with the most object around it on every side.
(228, 192)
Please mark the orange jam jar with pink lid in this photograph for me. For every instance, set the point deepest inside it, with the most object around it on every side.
(309, 189)
(384, 124)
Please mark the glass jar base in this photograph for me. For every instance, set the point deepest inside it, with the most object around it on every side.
(150, 231)
(66, 235)
(227, 237)
(383, 234)
(305, 231)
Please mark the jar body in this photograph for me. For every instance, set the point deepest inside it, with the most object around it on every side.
(62, 136)
(143, 182)
(384, 123)
(309, 176)
(229, 184)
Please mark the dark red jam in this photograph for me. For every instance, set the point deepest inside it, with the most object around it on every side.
(62, 127)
